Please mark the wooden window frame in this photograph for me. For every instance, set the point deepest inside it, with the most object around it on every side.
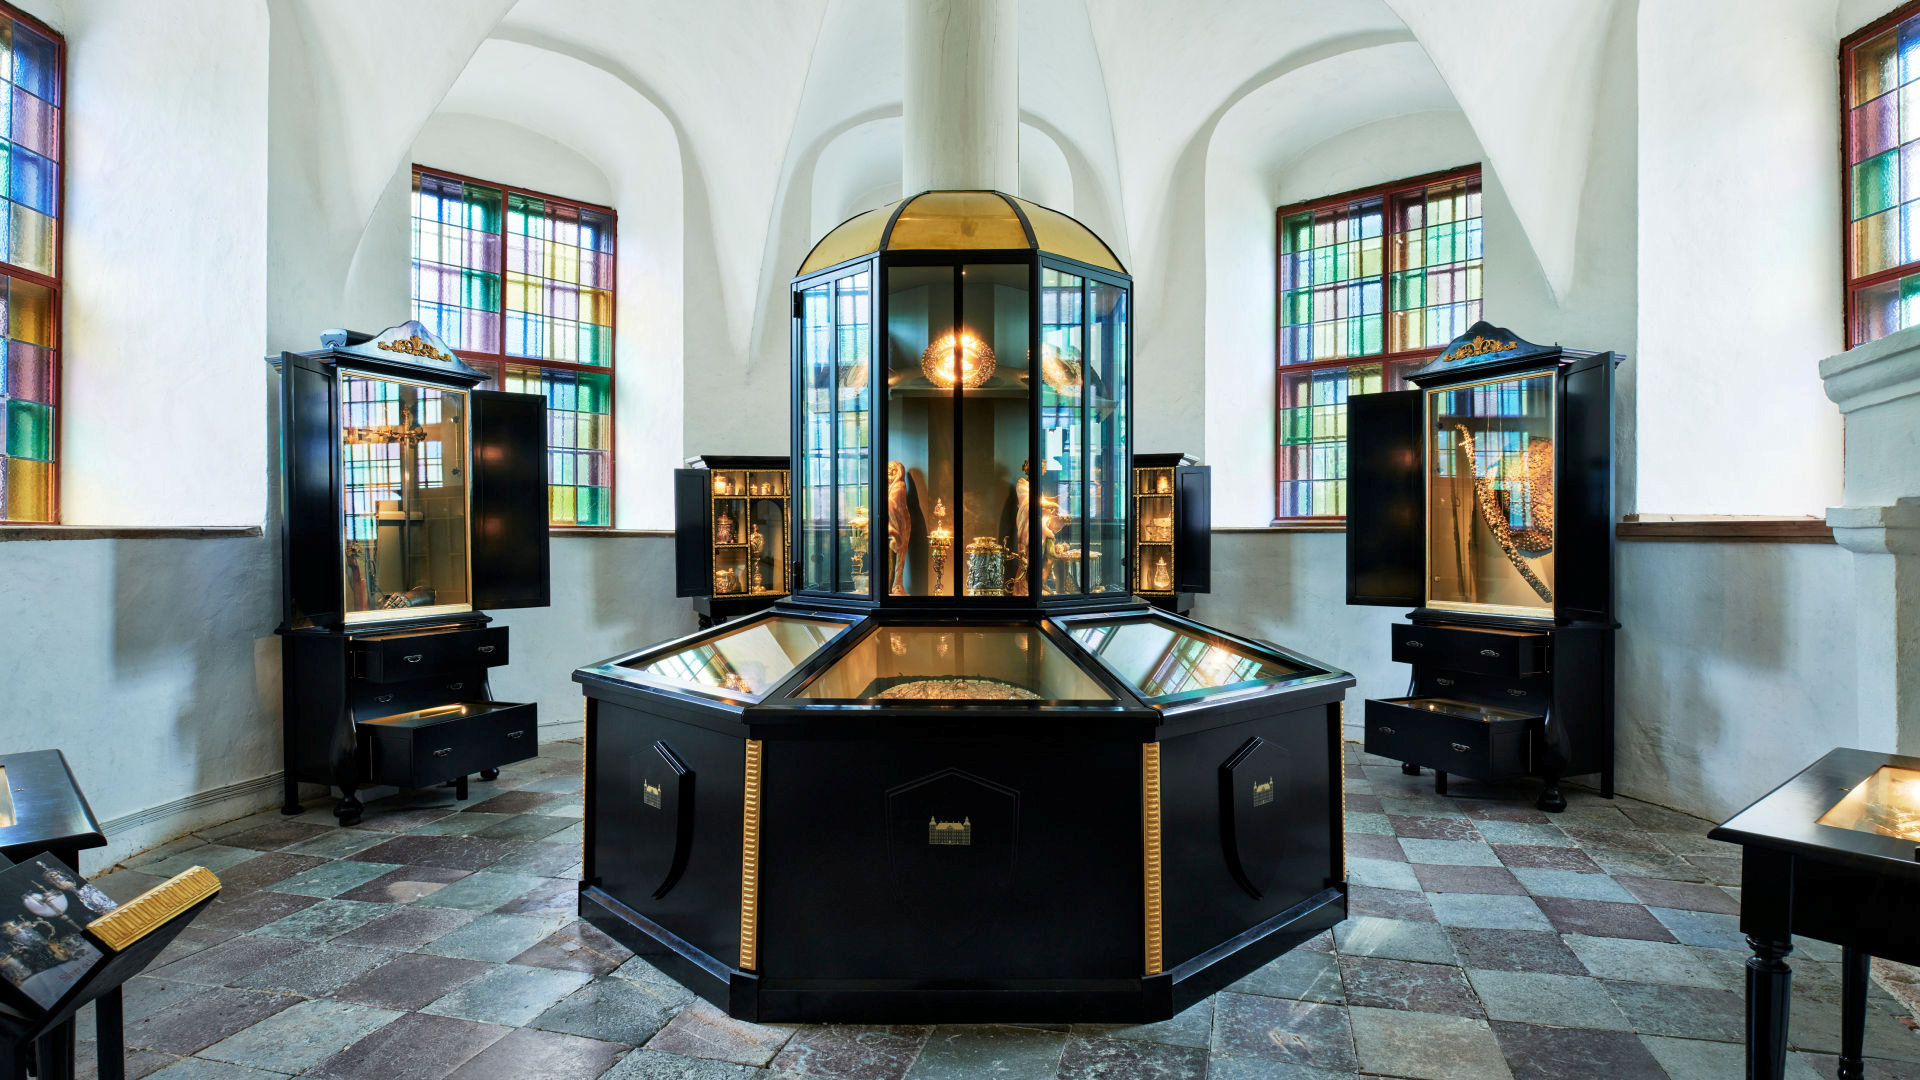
(501, 359)
(1387, 358)
(57, 362)
(1850, 286)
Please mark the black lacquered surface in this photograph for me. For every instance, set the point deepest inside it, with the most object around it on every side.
(49, 811)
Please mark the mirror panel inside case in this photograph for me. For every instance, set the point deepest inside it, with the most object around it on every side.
(1166, 662)
(1886, 803)
(748, 659)
(403, 457)
(918, 665)
(1490, 496)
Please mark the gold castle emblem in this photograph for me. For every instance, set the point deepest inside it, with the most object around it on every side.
(1263, 792)
(651, 793)
(1481, 346)
(415, 346)
(950, 833)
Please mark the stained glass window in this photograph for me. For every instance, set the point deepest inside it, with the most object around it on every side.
(1372, 284)
(1880, 82)
(522, 286)
(32, 73)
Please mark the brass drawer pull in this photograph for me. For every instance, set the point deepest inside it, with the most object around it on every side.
(1414, 644)
(443, 752)
(1516, 693)
(1495, 653)
(486, 648)
(455, 685)
(384, 698)
(1384, 730)
(1443, 682)
(415, 658)
(516, 734)
(1462, 747)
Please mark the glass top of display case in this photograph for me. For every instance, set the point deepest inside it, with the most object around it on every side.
(1168, 662)
(954, 664)
(1886, 803)
(743, 661)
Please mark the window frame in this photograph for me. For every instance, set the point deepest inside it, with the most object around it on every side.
(501, 359)
(57, 362)
(1850, 286)
(1387, 358)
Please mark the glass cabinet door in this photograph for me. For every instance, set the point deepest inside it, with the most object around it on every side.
(996, 428)
(853, 440)
(1109, 481)
(404, 498)
(815, 463)
(1490, 496)
(1063, 436)
(925, 361)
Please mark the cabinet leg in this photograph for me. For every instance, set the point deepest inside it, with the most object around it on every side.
(1853, 1012)
(1769, 993)
(292, 804)
(460, 788)
(489, 774)
(110, 1035)
(1439, 782)
(1606, 783)
(348, 809)
(1409, 769)
(1550, 798)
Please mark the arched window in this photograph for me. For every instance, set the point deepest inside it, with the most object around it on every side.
(1372, 284)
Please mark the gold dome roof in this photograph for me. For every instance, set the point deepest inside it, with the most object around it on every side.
(960, 221)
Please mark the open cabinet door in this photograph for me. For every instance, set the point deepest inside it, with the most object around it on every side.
(1193, 548)
(1583, 529)
(1384, 503)
(510, 542)
(310, 493)
(692, 535)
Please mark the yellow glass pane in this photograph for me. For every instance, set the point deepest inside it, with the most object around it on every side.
(1876, 242)
(29, 490)
(29, 313)
(957, 221)
(1059, 234)
(1886, 803)
(32, 240)
(857, 236)
(1876, 67)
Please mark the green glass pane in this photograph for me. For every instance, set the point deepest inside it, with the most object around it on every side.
(1876, 184)
(596, 393)
(1299, 307)
(1296, 233)
(29, 430)
(1409, 290)
(1370, 334)
(1296, 425)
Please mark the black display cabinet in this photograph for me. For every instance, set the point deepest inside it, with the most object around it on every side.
(1485, 496)
(1172, 530)
(1830, 855)
(732, 534)
(411, 502)
(962, 773)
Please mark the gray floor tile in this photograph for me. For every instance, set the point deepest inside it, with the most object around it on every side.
(494, 938)
(702, 1031)
(482, 891)
(1382, 874)
(1426, 1046)
(1628, 960)
(298, 1038)
(317, 970)
(333, 879)
(1193, 1027)
(1574, 1001)
(508, 994)
(1567, 883)
(1686, 1012)
(654, 1065)
(415, 1047)
(1291, 1032)
(201, 1069)
(989, 1053)
(531, 1054)
(1301, 974)
(610, 1010)
(325, 920)
(1702, 928)
(1449, 852)
(1537, 1052)
(1487, 912)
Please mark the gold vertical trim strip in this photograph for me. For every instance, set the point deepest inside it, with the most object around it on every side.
(1150, 826)
(750, 861)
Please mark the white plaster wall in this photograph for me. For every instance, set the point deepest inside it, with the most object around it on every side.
(1735, 669)
(1739, 195)
(164, 311)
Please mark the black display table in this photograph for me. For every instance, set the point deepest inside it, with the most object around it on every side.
(45, 814)
(1852, 881)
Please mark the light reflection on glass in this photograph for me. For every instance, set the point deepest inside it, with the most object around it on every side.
(1162, 660)
(749, 659)
(1886, 803)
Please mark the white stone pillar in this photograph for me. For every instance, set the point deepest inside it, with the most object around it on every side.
(962, 103)
(1877, 387)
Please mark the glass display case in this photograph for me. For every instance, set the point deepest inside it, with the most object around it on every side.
(1172, 529)
(961, 771)
(733, 550)
(1484, 497)
(411, 503)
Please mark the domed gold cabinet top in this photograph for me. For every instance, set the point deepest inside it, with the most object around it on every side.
(961, 221)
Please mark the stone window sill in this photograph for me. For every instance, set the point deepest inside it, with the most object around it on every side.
(126, 532)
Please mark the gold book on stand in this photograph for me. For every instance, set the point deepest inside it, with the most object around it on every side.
(152, 909)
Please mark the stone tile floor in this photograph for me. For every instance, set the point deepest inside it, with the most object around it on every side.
(1487, 940)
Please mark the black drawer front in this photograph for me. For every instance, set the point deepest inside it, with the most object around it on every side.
(429, 754)
(1483, 750)
(1484, 652)
(1527, 694)
(372, 700)
(393, 658)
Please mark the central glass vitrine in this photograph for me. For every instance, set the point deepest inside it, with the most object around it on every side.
(961, 429)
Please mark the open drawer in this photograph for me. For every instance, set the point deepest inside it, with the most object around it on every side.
(1454, 736)
(430, 746)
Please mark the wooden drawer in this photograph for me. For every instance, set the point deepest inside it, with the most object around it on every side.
(375, 700)
(1528, 694)
(1441, 735)
(1487, 652)
(405, 656)
(429, 747)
